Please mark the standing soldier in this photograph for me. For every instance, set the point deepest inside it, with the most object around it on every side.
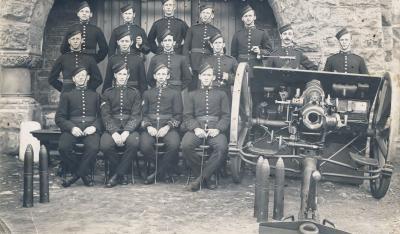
(197, 36)
(177, 64)
(69, 61)
(205, 118)
(162, 115)
(250, 45)
(78, 118)
(135, 63)
(287, 49)
(138, 35)
(91, 35)
(224, 65)
(345, 61)
(120, 111)
(177, 27)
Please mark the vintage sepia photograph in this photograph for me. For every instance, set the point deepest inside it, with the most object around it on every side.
(200, 116)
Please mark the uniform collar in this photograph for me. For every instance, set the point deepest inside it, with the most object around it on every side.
(345, 52)
(169, 17)
(129, 23)
(124, 52)
(84, 21)
(250, 27)
(287, 47)
(75, 51)
(120, 86)
(206, 87)
(163, 86)
(81, 88)
(169, 52)
(218, 54)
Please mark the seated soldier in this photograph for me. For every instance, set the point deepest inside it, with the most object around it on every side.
(120, 111)
(162, 114)
(78, 118)
(137, 75)
(205, 118)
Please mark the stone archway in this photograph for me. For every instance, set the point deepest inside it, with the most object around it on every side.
(315, 23)
(21, 33)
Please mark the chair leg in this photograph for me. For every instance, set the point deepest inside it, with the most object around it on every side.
(106, 170)
(133, 171)
(189, 176)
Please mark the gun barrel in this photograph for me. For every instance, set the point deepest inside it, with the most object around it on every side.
(280, 57)
(44, 174)
(28, 177)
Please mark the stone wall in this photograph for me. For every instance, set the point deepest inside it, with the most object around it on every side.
(316, 22)
(61, 16)
(21, 33)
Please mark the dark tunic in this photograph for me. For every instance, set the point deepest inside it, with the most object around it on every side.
(223, 63)
(121, 109)
(347, 63)
(137, 76)
(178, 28)
(242, 42)
(91, 37)
(209, 106)
(300, 59)
(164, 103)
(179, 69)
(78, 108)
(66, 63)
(196, 45)
(135, 31)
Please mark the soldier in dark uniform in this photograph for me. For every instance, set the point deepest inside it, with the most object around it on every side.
(250, 44)
(177, 64)
(78, 118)
(224, 65)
(177, 26)
(162, 115)
(91, 35)
(67, 63)
(287, 49)
(140, 43)
(196, 40)
(137, 77)
(205, 119)
(121, 114)
(345, 61)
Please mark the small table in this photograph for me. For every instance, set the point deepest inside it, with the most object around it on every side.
(48, 137)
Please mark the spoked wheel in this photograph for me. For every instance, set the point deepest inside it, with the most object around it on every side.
(385, 125)
(240, 116)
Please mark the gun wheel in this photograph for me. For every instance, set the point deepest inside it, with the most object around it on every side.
(385, 122)
(240, 116)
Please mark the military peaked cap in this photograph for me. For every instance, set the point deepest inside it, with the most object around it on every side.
(284, 28)
(83, 5)
(127, 7)
(341, 33)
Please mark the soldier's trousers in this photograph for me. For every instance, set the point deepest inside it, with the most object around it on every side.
(218, 145)
(119, 165)
(169, 159)
(79, 167)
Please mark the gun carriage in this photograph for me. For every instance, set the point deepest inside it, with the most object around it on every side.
(330, 126)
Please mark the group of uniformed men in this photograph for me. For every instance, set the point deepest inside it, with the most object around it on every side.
(128, 116)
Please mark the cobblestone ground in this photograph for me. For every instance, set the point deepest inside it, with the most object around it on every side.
(164, 208)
